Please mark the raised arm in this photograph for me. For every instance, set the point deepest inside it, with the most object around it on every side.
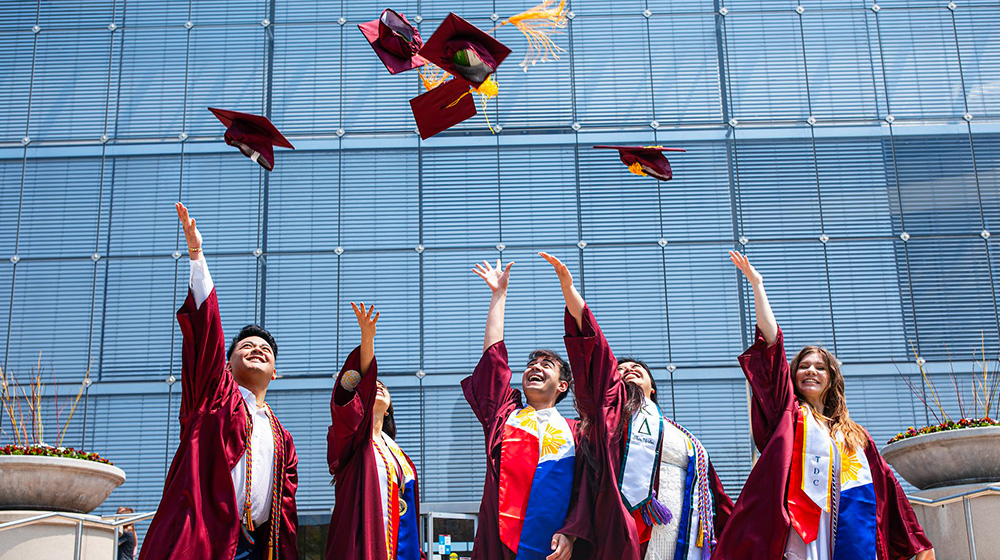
(488, 389)
(765, 316)
(353, 395)
(497, 280)
(203, 353)
(574, 301)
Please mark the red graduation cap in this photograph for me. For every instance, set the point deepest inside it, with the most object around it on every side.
(464, 50)
(443, 107)
(394, 40)
(254, 135)
(646, 160)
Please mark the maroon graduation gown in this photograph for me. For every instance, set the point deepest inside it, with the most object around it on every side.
(600, 396)
(199, 515)
(492, 399)
(356, 528)
(759, 524)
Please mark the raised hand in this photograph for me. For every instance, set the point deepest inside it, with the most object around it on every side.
(762, 308)
(495, 278)
(367, 323)
(191, 233)
(562, 271)
(743, 263)
(365, 320)
(574, 301)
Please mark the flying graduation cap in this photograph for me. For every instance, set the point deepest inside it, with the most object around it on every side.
(394, 40)
(464, 50)
(443, 107)
(254, 135)
(646, 160)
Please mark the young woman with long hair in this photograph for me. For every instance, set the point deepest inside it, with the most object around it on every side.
(377, 509)
(651, 479)
(820, 489)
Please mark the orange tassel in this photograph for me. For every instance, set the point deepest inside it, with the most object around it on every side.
(637, 169)
(432, 75)
(537, 25)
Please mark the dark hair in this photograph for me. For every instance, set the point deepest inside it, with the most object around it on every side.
(564, 372)
(389, 422)
(253, 330)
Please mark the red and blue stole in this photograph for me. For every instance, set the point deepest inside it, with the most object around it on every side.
(810, 487)
(856, 523)
(402, 497)
(811, 490)
(536, 480)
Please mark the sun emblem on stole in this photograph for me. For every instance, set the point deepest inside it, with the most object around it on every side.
(524, 416)
(552, 440)
(850, 466)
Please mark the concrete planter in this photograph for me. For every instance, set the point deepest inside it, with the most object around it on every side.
(55, 483)
(963, 456)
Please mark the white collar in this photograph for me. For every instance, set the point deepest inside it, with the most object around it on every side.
(251, 400)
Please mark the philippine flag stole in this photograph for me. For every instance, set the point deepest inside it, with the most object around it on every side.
(536, 480)
(856, 524)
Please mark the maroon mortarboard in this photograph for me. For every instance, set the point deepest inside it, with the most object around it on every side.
(443, 107)
(394, 40)
(646, 160)
(464, 50)
(254, 135)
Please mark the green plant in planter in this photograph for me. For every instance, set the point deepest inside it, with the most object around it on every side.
(985, 401)
(23, 409)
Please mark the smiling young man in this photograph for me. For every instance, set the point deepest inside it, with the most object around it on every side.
(230, 491)
(529, 508)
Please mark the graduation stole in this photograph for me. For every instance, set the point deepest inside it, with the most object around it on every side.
(537, 455)
(407, 536)
(640, 463)
(856, 521)
(810, 488)
(277, 475)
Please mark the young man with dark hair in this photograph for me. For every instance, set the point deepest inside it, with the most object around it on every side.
(529, 509)
(230, 491)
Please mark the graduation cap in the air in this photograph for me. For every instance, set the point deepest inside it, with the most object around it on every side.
(443, 107)
(464, 50)
(254, 135)
(394, 40)
(646, 160)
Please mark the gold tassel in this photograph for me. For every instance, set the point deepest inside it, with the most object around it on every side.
(486, 90)
(636, 168)
(432, 75)
(537, 25)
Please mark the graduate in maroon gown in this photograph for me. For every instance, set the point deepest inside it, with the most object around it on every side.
(820, 490)
(230, 491)
(377, 509)
(636, 453)
(530, 508)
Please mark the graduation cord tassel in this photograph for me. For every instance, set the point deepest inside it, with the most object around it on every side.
(655, 513)
(537, 25)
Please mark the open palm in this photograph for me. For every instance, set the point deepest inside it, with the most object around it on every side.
(496, 278)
